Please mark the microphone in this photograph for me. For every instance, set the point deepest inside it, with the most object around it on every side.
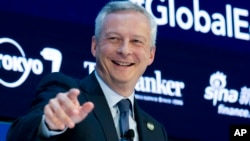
(130, 134)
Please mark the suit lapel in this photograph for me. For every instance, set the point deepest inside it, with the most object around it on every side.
(93, 91)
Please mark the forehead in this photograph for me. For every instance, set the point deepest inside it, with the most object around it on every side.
(127, 14)
(127, 20)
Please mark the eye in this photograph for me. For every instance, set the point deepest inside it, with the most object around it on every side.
(113, 39)
(137, 42)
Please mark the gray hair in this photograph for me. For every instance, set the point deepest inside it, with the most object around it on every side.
(115, 6)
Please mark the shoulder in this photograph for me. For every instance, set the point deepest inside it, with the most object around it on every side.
(57, 76)
(57, 80)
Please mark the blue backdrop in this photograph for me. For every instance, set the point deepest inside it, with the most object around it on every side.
(197, 87)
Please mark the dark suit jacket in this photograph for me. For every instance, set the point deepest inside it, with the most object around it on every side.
(98, 126)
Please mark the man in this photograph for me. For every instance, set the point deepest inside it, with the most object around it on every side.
(87, 109)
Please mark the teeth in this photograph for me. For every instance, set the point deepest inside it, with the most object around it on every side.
(123, 63)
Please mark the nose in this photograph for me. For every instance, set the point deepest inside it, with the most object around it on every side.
(124, 48)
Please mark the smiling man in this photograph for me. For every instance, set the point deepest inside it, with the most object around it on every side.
(124, 50)
(89, 109)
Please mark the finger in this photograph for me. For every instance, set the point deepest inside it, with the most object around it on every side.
(67, 104)
(73, 94)
(85, 109)
(51, 120)
(60, 113)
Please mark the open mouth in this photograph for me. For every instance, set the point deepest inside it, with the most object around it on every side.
(122, 63)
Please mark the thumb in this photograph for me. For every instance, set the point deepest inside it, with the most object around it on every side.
(85, 109)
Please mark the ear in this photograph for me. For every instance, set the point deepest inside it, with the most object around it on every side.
(93, 46)
(152, 55)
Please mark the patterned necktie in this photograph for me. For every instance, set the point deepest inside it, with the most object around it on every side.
(124, 106)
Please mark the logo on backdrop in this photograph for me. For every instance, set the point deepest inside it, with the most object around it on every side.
(229, 102)
(154, 88)
(232, 24)
(24, 65)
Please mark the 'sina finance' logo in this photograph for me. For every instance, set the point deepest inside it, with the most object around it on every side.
(23, 64)
(230, 101)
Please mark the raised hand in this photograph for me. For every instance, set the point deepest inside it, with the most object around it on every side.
(65, 111)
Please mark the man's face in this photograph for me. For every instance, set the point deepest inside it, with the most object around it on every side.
(123, 51)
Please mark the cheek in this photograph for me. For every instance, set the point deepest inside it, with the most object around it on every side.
(142, 57)
(147, 54)
(151, 56)
(103, 52)
(107, 50)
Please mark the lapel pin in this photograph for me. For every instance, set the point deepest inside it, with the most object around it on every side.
(150, 126)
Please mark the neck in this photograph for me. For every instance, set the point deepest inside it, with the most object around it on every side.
(124, 89)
